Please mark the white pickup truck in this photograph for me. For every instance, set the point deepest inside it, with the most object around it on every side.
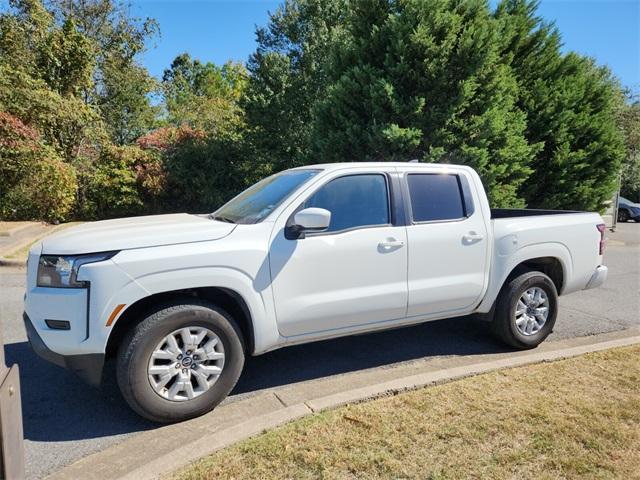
(307, 254)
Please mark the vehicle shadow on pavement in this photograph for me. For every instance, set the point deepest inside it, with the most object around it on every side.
(453, 336)
(58, 406)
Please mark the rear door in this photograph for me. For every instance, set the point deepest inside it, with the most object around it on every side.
(448, 241)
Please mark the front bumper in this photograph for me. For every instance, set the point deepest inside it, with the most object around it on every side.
(598, 277)
(87, 366)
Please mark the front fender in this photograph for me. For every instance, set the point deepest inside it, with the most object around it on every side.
(259, 303)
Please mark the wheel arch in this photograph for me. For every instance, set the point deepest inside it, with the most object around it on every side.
(229, 300)
(550, 266)
(552, 258)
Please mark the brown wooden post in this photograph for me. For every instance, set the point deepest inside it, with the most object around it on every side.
(11, 437)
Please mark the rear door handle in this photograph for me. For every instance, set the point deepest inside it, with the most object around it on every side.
(472, 237)
(391, 243)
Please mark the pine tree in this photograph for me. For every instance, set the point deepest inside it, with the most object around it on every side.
(287, 78)
(426, 79)
(570, 105)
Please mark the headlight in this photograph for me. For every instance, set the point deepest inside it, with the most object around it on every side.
(61, 271)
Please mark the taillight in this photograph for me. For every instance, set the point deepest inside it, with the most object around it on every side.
(601, 228)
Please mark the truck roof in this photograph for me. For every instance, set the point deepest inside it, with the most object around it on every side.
(338, 165)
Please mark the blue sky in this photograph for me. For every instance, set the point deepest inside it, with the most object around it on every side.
(218, 30)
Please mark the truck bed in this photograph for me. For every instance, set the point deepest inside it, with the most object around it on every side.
(526, 212)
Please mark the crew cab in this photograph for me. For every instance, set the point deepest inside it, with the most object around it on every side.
(307, 254)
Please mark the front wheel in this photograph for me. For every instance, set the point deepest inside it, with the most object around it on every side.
(180, 361)
(526, 310)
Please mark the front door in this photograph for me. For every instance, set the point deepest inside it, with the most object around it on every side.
(354, 273)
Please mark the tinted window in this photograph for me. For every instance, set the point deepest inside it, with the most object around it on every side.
(354, 201)
(435, 197)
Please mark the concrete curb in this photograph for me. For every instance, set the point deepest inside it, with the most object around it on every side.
(6, 262)
(457, 373)
(25, 242)
(19, 246)
(156, 453)
(12, 231)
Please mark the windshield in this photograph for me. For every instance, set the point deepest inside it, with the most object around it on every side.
(258, 201)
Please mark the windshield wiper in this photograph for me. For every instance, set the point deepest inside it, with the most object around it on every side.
(221, 218)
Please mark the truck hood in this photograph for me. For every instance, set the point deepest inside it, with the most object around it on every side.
(135, 232)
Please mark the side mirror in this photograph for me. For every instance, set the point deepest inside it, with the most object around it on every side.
(311, 220)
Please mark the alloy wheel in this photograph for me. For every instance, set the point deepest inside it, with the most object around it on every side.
(532, 311)
(186, 363)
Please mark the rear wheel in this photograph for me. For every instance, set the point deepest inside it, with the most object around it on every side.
(526, 310)
(623, 215)
(180, 362)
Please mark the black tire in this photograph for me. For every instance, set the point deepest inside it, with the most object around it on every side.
(135, 351)
(623, 215)
(504, 324)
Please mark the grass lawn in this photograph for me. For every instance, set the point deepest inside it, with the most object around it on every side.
(576, 418)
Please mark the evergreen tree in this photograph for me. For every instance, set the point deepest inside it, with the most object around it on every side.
(287, 79)
(570, 105)
(425, 79)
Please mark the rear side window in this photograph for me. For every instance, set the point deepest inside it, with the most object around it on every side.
(354, 201)
(435, 197)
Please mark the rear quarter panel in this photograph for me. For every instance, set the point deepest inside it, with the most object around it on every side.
(571, 238)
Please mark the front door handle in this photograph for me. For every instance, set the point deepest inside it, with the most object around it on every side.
(391, 243)
(472, 237)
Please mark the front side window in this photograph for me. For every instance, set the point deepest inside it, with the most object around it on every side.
(354, 201)
(258, 201)
(435, 197)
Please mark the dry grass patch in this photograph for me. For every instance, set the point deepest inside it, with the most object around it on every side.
(576, 418)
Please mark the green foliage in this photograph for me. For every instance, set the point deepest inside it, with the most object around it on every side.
(439, 80)
(44, 70)
(108, 24)
(125, 181)
(425, 79)
(124, 100)
(122, 89)
(200, 172)
(65, 122)
(331, 80)
(287, 79)
(65, 60)
(205, 96)
(571, 109)
(36, 183)
(68, 71)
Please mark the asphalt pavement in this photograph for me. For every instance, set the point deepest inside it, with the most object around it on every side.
(65, 420)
